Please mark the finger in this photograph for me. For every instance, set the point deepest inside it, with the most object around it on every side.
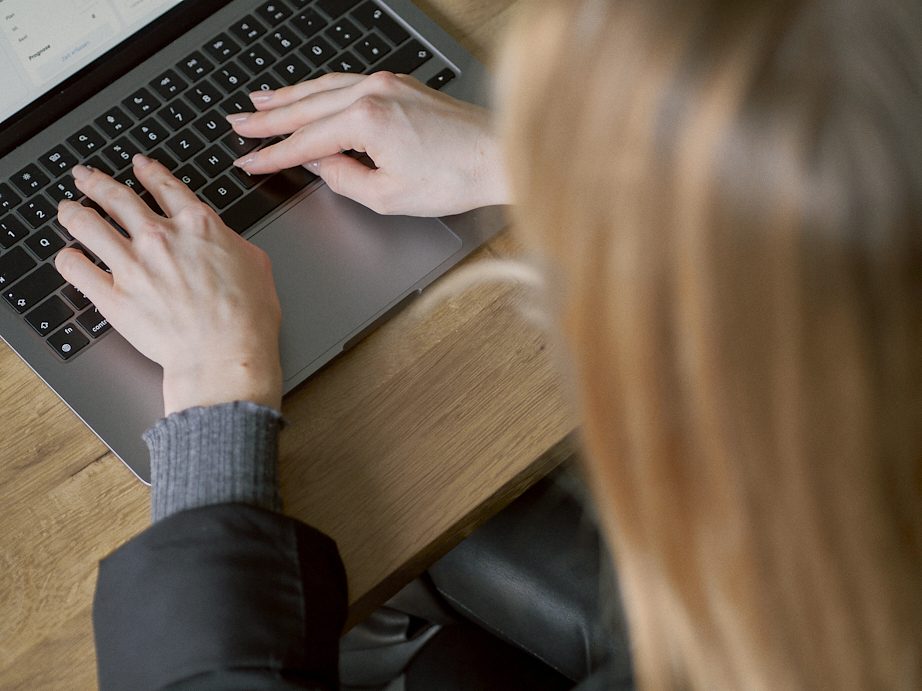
(77, 269)
(169, 192)
(348, 177)
(286, 119)
(267, 100)
(99, 237)
(325, 137)
(118, 200)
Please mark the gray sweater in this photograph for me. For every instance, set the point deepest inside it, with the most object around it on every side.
(215, 455)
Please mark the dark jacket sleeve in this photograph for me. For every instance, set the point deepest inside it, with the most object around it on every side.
(226, 596)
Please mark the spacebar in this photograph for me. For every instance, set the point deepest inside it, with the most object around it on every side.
(268, 196)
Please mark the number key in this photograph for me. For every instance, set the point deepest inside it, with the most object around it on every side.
(177, 114)
(12, 230)
(230, 77)
(256, 59)
(64, 188)
(37, 211)
(120, 152)
(204, 96)
(149, 133)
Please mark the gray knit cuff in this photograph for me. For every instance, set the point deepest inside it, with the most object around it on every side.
(215, 455)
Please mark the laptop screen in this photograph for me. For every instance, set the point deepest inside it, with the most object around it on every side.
(43, 42)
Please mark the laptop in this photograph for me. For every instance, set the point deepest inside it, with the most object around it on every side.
(96, 81)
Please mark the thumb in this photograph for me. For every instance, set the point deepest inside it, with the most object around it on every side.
(350, 178)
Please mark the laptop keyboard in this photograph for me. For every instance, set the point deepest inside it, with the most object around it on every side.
(179, 120)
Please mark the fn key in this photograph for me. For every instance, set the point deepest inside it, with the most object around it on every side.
(68, 341)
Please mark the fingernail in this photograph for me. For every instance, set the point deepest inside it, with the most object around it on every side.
(313, 165)
(140, 161)
(80, 172)
(237, 118)
(244, 161)
(260, 96)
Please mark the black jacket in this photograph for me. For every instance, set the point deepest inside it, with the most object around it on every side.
(222, 597)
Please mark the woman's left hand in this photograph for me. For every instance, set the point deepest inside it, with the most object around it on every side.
(185, 290)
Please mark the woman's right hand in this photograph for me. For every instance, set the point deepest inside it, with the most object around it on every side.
(434, 155)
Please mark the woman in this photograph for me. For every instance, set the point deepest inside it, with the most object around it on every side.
(726, 200)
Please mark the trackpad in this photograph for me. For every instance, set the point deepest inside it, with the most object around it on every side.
(338, 266)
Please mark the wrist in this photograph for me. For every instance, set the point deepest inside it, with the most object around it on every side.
(225, 381)
(492, 179)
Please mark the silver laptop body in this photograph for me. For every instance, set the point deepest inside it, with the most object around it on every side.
(340, 269)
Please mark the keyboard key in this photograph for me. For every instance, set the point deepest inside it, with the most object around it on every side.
(240, 145)
(13, 265)
(195, 66)
(169, 84)
(343, 32)
(222, 192)
(244, 179)
(334, 8)
(75, 297)
(149, 134)
(86, 141)
(346, 62)
(248, 29)
(120, 153)
(8, 198)
(141, 103)
(185, 144)
(237, 103)
(33, 288)
(68, 341)
(308, 22)
(282, 40)
(230, 77)
(256, 59)
(49, 315)
(161, 156)
(373, 17)
(405, 59)
(64, 188)
(190, 176)
(211, 125)
(44, 243)
(318, 51)
(441, 79)
(274, 192)
(30, 180)
(177, 115)
(264, 82)
(114, 122)
(128, 179)
(372, 47)
(222, 47)
(204, 95)
(12, 230)
(273, 12)
(58, 160)
(213, 161)
(291, 69)
(37, 211)
(93, 322)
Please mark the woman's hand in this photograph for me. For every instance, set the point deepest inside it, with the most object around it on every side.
(434, 155)
(185, 290)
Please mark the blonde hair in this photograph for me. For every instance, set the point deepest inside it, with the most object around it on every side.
(726, 198)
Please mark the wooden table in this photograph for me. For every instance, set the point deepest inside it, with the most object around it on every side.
(398, 450)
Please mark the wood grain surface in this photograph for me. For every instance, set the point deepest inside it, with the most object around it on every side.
(398, 450)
